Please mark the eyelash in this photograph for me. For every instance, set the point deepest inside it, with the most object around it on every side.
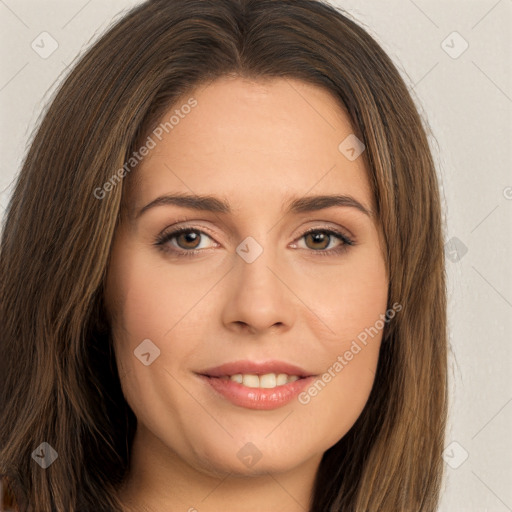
(162, 239)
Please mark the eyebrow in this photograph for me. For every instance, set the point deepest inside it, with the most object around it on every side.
(293, 205)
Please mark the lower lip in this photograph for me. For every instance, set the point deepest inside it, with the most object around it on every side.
(257, 398)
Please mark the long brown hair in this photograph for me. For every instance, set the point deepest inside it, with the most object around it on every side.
(59, 380)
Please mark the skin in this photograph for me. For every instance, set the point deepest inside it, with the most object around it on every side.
(255, 144)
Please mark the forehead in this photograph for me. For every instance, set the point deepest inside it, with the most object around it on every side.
(252, 139)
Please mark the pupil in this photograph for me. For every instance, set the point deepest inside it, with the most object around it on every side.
(318, 237)
(190, 237)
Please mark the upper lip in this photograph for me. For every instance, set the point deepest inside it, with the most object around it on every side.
(255, 368)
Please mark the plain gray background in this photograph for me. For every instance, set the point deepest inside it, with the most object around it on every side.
(455, 57)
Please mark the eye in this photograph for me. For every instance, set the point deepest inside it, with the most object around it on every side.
(318, 240)
(186, 241)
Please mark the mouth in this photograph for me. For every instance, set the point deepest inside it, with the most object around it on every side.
(262, 368)
(252, 385)
(265, 381)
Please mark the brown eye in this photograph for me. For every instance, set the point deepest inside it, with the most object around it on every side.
(188, 239)
(183, 241)
(319, 240)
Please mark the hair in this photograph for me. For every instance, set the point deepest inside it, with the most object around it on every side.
(60, 383)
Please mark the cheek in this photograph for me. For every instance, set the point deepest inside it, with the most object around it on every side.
(352, 305)
(349, 297)
(151, 300)
(156, 312)
(149, 315)
(339, 394)
(337, 397)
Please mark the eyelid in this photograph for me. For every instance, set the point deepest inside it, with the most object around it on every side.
(347, 240)
(170, 233)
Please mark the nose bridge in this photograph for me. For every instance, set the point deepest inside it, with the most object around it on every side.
(258, 298)
(256, 256)
(250, 249)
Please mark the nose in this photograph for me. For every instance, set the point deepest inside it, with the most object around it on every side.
(259, 295)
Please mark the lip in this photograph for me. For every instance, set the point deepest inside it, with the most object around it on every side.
(256, 398)
(255, 368)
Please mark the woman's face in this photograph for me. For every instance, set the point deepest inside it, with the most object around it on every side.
(247, 292)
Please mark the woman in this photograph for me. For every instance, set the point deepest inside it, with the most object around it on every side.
(222, 274)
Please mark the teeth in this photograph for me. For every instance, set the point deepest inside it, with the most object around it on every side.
(251, 381)
(282, 378)
(268, 381)
(238, 378)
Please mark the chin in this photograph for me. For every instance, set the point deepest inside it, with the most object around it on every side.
(246, 458)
